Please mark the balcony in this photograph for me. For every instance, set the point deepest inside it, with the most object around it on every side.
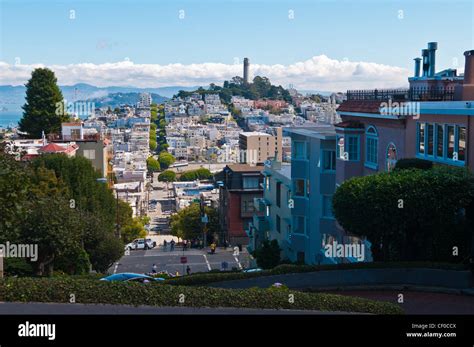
(405, 94)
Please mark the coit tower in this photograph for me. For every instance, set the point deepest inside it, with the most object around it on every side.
(246, 70)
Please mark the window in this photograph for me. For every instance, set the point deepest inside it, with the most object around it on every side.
(429, 142)
(353, 147)
(278, 194)
(340, 147)
(300, 227)
(278, 224)
(327, 206)
(421, 138)
(443, 142)
(250, 183)
(299, 150)
(439, 140)
(248, 206)
(391, 160)
(450, 140)
(329, 160)
(371, 157)
(89, 154)
(461, 143)
(299, 187)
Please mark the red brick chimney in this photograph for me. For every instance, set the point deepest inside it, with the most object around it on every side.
(468, 85)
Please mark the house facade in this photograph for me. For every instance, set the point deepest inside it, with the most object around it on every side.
(239, 185)
(432, 120)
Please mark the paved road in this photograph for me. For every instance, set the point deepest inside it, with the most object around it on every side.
(14, 308)
(198, 260)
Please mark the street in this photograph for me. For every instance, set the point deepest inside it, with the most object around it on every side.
(198, 260)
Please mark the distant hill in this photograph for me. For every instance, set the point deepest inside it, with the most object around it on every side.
(116, 99)
(13, 97)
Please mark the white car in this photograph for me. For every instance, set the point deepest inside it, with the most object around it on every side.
(140, 244)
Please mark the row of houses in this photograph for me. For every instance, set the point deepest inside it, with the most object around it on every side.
(292, 203)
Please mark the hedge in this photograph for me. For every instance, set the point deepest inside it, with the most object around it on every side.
(87, 291)
(204, 278)
(413, 163)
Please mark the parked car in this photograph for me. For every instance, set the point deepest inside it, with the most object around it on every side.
(140, 244)
(252, 270)
(131, 277)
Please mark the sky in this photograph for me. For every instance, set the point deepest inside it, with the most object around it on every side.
(326, 45)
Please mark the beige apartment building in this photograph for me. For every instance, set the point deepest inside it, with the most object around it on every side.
(257, 147)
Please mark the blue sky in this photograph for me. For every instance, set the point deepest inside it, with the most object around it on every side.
(218, 31)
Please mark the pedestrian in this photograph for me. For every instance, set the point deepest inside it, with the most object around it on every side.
(188, 270)
(213, 247)
(164, 245)
(185, 244)
(172, 245)
(153, 268)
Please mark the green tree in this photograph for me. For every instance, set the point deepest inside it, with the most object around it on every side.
(187, 222)
(93, 201)
(166, 159)
(268, 254)
(44, 108)
(50, 222)
(167, 176)
(152, 164)
(198, 174)
(409, 214)
(134, 229)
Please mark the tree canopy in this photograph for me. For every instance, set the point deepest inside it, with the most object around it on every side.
(410, 214)
(44, 109)
(187, 224)
(166, 159)
(167, 176)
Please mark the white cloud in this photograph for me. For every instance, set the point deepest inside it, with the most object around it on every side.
(317, 73)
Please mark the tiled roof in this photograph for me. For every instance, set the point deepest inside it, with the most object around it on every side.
(53, 148)
(362, 106)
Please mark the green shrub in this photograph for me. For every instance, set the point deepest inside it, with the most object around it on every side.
(268, 254)
(155, 294)
(413, 163)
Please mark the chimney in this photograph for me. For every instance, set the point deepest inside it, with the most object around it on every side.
(468, 85)
(417, 66)
(432, 47)
(426, 62)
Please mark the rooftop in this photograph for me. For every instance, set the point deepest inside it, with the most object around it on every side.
(254, 133)
(319, 132)
(245, 168)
